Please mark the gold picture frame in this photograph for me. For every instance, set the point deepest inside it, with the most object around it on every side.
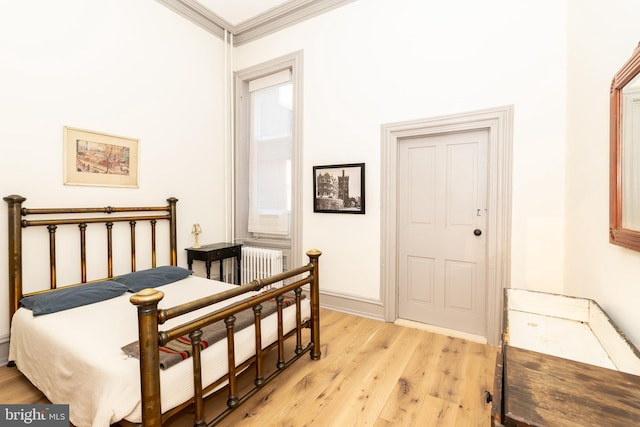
(99, 159)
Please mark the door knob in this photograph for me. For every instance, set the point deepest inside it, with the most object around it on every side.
(477, 232)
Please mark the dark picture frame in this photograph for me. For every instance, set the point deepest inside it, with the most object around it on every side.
(339, 188)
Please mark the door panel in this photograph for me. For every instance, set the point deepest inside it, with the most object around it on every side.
(459, 285)
(420, 277)
(421, 196)
(441, 201)
(461, 184)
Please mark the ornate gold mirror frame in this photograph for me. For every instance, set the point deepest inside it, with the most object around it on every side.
(624, 186)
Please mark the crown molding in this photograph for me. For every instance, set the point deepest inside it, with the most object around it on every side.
(283, 16)
(273, 20)
(205, 19)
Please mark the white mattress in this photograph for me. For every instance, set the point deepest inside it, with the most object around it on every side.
(74, 356)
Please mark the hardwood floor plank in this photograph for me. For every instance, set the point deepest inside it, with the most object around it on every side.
(376, 385)
(342, 395)
(298, 388)
(17, 389)
(335, 375)
(481, 370)
(448, 376)
(436, 411)
(408, 394)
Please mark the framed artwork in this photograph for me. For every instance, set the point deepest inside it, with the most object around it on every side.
(339, 188)
(94, 158)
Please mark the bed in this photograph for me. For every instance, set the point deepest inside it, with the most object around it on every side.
(123, 368)
(563, 362)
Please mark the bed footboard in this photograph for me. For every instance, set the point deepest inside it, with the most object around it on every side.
(150, 337)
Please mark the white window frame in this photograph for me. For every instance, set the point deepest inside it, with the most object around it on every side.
(292, 244)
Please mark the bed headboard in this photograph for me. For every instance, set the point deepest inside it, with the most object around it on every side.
(21, 217)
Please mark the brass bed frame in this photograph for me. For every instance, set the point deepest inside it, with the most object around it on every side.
(150, 317)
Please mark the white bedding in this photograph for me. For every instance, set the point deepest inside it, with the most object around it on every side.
(74, 356)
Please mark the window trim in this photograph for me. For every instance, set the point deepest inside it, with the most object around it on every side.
(293, 62)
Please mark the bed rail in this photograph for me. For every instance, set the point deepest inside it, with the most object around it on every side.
(150, 337)
(19, 217)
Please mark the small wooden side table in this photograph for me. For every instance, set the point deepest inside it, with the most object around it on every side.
(216, 252)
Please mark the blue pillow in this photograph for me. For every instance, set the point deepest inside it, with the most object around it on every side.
(152, 278)
(75, 296)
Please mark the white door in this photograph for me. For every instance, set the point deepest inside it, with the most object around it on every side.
(442, 193)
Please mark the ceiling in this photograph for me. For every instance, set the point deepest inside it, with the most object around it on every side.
(246, 20)
(237, 12)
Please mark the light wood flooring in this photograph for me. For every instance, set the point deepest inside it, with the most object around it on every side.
(371, 374)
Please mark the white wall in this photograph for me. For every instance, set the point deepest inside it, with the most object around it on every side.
(374, 61)
(130, 68)
(137, 69)
(601, 38)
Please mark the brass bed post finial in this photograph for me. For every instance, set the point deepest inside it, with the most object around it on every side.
(14, 203)
(314, 255)
(147, 302)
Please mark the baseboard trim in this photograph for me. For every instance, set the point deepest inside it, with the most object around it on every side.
(351, 304)
(4, 350)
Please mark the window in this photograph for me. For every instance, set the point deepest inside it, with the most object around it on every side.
(268, 156)
(270, 151)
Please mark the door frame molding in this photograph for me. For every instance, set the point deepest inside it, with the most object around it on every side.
(499, 123)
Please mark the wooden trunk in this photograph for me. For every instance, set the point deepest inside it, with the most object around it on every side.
(564, 363)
